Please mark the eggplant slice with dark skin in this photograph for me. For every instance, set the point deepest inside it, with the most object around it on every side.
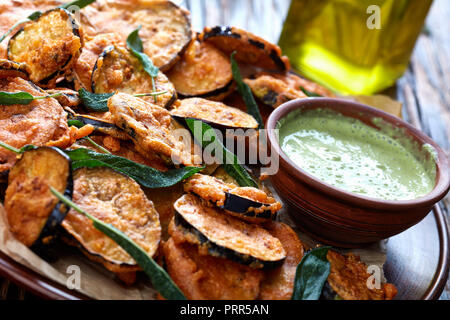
(32, 210)
(166, 28)
(118, 200)
(101, 126)
(12, 69)
(249, 48)
(221, 235)
(216, 114)
(246, 203)
(118, 70)
(49, 53)
(208, 70)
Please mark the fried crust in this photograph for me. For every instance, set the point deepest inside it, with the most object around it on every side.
(278, 284)
(203, 277)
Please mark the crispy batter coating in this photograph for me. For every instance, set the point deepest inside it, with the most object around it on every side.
(208, 71)
(38, 123)
(28, 201)
(12, 11)
(150, 127)
(348, 278)
(166, 28)
(275, 89)
(117, 200)
(92, 48)
(249, 48)
(214, 113)
(48, 52)
(248, 243)
(117, 69)
(278, 284)
(203, 277)
(213, 190)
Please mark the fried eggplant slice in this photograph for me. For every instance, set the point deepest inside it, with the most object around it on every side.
(117, 200)
(216, 114)
(249, 48)
(32, 210)
(275, 89)
(151, 128)
(348, 279)
(203, 71)
(12, 69)
(68, 98)
(246, 203)
(93, 47)
(204, 277)
(117, 70)
(224, 236)
(39, 123)
(101, 126)
(48, 52)
(278, 284)
(166, 28)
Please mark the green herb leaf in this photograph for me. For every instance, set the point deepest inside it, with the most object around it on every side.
(10, 98)
(35, 15)
(230, 161)
(78, 3)
(95, 102)
(142, 174)
(311, 274)
(134, 43)
(160, 279)
(310, 93)
(15, 150)
(75, 123)
(246, 93)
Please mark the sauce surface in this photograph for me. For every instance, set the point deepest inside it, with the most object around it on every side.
(348, 154)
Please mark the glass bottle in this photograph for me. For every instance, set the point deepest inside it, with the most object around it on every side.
(353, 46)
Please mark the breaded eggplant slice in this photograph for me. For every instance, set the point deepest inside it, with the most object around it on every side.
(249, 48)
(224, 236)
(151, 128)
(12, 69)
(48, 46)
(275, 89)
(203, 71)
(39, 123)
(278, 284)
(348, 279)
(117, 70)
(68, 98)
(166, 28)
(203, 277)
(32, 210)
(216, 114)
(246, 203)
(93, 47)
(101, 126)
(117, 200)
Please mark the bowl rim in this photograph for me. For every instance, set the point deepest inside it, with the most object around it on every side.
(440, 189)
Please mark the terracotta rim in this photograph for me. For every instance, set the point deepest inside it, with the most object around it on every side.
(442, 166)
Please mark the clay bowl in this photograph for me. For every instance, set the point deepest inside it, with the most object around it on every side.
(341, 218)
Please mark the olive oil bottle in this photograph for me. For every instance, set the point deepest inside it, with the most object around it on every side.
(352, 46)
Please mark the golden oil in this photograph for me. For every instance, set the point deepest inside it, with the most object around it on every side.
(353, 46)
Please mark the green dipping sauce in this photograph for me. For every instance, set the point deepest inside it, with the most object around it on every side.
(348, 154)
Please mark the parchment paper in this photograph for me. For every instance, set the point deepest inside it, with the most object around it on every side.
(98, 283)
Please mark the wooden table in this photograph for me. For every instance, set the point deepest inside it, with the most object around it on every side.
(424, 89)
